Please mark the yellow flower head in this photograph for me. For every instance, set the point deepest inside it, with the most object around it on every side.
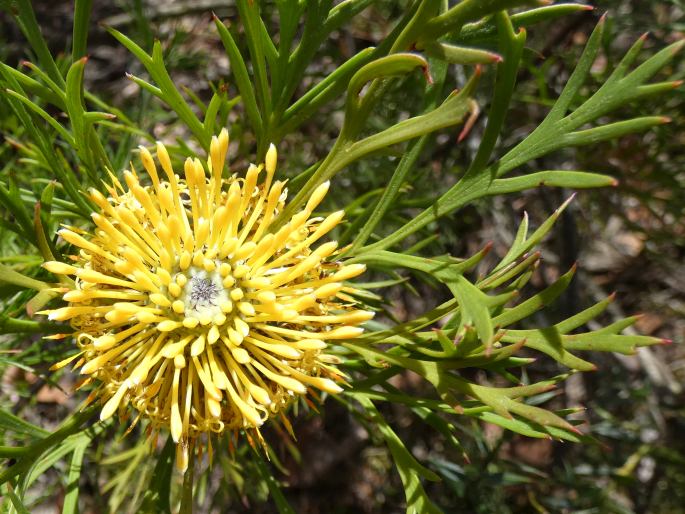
(189, 306)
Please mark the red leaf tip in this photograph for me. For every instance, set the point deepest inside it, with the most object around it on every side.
(427, 75)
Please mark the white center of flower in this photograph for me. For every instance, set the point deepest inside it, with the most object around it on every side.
(204, 293)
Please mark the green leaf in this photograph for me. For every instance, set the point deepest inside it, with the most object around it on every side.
(419, 322)
(322, 93)
(613, 130)
(44, 244)
(388, 66)
(26, 19)
(274, 489)
(446, 269)
(570, 179)
(486, 29)
(392, 189)
(71, 426)
(157, 495)
(524, 427)
(80, 127)
(580, 72)
(474, 307)
(11, 200)
(10, 276)
(70, 505)
(468, 10)
(10, 422)
(313, 35)
(550, 342)
(218, 98)
(523, 243)
(34, 87)
(243, 82)
(166, 90)
(64, 134)
(134, 465)
(530, 306)
(252, 24)
(503, 401)
(56, 452)
(461, 54)
(11, 452)
(23, 326)
(186, 506)
(409, 469)
(452, 112)
(82, 10)
(16, 501)
(555, 132)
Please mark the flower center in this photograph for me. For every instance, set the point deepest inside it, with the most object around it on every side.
(203, 294)
(206, 292)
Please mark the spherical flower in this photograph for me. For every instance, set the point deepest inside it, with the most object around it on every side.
(192, 310)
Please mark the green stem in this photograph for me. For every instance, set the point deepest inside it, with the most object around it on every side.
(69, 427)
(16, 326)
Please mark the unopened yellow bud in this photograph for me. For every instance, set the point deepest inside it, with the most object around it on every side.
(317, 196)
(59, 268)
